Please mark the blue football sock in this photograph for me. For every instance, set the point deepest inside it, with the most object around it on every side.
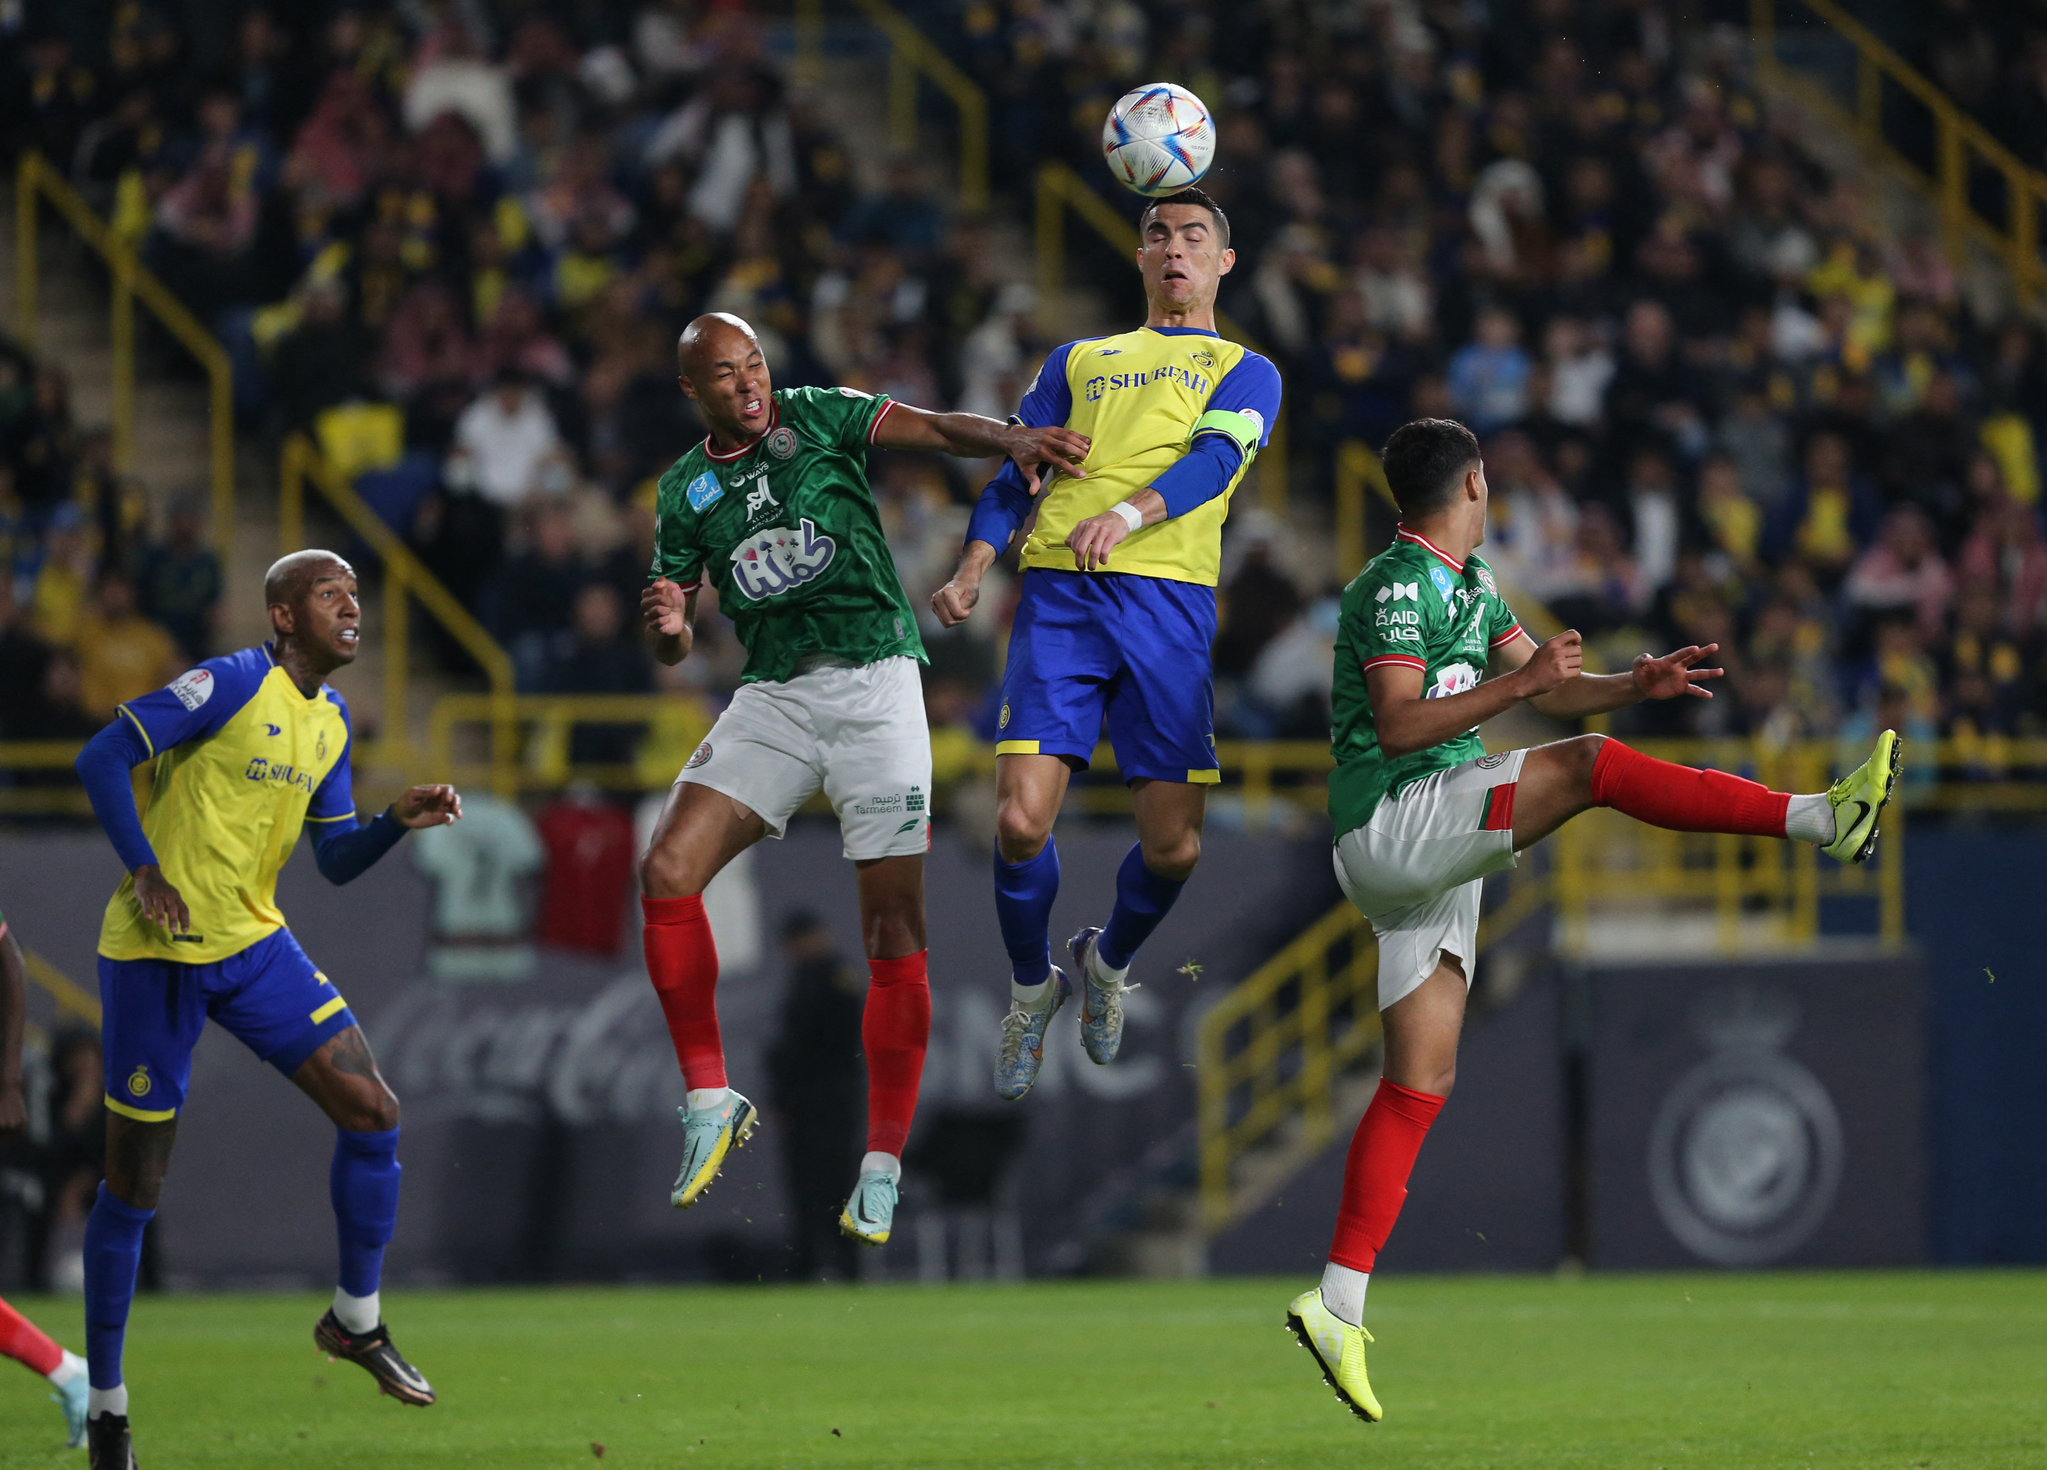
(364, 1186)
(1142, 898)
(113, 1251)
(1023, 907)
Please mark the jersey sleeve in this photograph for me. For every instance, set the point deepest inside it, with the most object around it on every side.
(1243, 405)
(334, 798)
(1388, 612)
(1502, 627)
(678, 555)
(195, 704)
(846, 418)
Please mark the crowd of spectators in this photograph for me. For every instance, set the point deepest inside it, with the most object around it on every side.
(455, 242)
(103, 596)
(1718, 403)
(1990, 56)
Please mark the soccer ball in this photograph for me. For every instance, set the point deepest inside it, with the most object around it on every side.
(1159, 139)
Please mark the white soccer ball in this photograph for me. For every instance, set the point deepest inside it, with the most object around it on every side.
(1159, 139)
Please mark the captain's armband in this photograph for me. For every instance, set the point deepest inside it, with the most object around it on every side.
(1242, 428)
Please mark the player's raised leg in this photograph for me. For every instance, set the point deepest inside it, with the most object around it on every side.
(895, 1029)
(1560, 780)
(1029, 786)
(1158, 865)
(342, 1077)
(28, 1345)
(701, 830)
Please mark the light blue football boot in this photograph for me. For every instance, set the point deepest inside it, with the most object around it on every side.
(72, 1399)
(1101, 1000)
(1023, 1039)
(708, 1134)
(871, 1213)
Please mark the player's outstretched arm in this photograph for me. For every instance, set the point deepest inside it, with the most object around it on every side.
(1406, 722)
(973, 436)
(13, 1020)
(1673, 676)
(345, 854)
(668, 618)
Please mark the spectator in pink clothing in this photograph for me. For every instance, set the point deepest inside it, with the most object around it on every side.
(1903, 572)
(2005, 551)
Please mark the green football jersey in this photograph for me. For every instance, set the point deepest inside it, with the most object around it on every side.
(1416, 607)
(787, 531)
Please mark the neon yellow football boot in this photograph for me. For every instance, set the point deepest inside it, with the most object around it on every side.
(1340, 1350)
(1858, 800)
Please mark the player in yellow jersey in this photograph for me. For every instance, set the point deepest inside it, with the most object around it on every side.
(1117, 615)
(250, 750)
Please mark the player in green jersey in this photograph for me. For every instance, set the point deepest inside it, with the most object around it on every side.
(1422, 814)
(774, 511)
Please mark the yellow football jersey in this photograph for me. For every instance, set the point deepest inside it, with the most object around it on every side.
(243, 762)
(1142, 397)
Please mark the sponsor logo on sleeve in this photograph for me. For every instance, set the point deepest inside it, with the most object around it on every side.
(703, 492)
(854, 393)
(1442, 580)
(193, 689)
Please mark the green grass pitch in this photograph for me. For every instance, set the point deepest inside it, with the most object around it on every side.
(1856, 1371)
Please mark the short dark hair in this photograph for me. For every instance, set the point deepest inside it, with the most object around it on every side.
(1425, 461)
(1197, 197)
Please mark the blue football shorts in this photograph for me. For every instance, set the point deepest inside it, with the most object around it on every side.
(1129, 649)
(269, 997)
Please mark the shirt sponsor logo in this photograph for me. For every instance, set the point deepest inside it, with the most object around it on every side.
(1170, 372)
(278, 773)
(782, 443)
(874, 806)
(854, 393)
(760, 498)
(193, 689)
(1442, 580)
(1452, 679)
(779, 559)
(703, 492)
(1395, 591)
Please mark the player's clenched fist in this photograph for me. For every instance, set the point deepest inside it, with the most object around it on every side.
(1559, 658)
(662, 608)
(952, 602)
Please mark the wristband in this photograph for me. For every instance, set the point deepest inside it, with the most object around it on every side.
(1132, 516)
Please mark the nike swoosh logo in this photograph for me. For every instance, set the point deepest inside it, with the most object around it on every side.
(1861, 815)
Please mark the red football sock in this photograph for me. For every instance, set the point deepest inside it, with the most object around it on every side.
(1375, 1171)
(1683, 799)
(682, 961)
(21, 1340)
(894, 1028)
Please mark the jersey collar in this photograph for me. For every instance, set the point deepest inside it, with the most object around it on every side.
(774, 418)
(1184, 332)
(1441, 555)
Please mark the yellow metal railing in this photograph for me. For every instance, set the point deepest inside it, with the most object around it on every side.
(912, 58)
(71, 998)
(1062, 191)
(36, 181)
(1961, 145)
(1283, 1038)
(406, 579)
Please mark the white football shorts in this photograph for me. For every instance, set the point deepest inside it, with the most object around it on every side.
(1415, 869)
(858, 733)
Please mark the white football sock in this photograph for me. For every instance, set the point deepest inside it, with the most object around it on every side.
(708, 1097)
(1343, 1292)
(1810, 819)
(357, 1313)
(68, 1369)
(107, 1401)
(1030, 997)
(880, 1163)
(1100, 966)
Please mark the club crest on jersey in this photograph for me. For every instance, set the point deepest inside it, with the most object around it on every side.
(1442, 580)
(698, 756)
(703, 492)
(779, 559)
(782, 443)
(1202, 358)
(1485, 580)
(193, 689)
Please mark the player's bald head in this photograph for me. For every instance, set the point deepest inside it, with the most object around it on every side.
(292, 578)
(713, 338)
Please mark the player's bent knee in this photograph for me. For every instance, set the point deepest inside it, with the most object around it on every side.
(665, 873)
(368, 1109)
(1175, 857)
(1021, 832)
